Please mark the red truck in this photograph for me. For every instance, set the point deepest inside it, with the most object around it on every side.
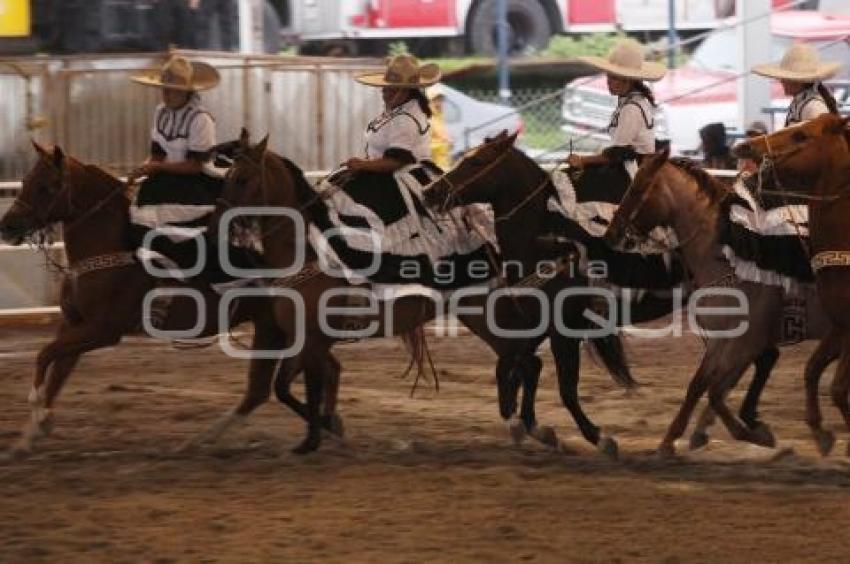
(366, 26)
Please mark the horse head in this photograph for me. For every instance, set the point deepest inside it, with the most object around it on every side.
(37, 206)
(645, 205)
(803, 151)
(474, 178)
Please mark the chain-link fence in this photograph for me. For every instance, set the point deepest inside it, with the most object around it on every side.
(540, 110)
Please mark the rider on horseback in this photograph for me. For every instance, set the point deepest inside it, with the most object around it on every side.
(800, 71)
(633, 121)
(177, 195)
(401, 135)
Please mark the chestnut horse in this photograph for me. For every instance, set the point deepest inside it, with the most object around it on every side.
(261, 178)
(102, 296)
(812, 160)
(680, 195)
(518, 189)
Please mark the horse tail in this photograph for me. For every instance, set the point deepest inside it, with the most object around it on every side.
(610, 352)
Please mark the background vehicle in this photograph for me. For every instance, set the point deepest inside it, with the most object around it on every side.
(705, 89)
(364, 26)
(470, 121)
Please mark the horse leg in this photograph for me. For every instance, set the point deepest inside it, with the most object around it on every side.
(696, 388)
(567, 360)
(315, 375)
(260, 374)
(699, 437)
(331, 420)
(749, 407)
(60, 356)
(827, 350)
(529, 368)
(841, 384)
(718, 390)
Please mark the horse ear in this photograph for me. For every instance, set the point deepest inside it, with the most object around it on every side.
(261, 147)
(58, 156)
(244, 138)
(513, 137)
(39, 148)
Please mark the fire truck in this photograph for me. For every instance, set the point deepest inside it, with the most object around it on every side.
(367, 26)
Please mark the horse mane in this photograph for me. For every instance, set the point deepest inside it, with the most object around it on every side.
(303, 190)
(709, 186)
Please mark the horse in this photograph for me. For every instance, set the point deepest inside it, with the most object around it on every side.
(102, 295)
(261, 178)
(811, 161)
(680, 195)
(517, 189)
(502, 176)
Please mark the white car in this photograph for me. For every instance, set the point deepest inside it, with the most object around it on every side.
(470, 121)
(705, 89)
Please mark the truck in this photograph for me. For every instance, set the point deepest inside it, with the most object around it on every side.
(103, 26)
(351, 27)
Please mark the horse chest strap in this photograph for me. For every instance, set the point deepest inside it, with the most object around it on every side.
(830, 258)
(102, 262)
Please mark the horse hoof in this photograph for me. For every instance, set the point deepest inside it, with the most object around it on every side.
(608, 447)
(825, 441)
(762, 435)
(518, 431)
(698, 440)
(546, 435)
(334, 425)
(666, 451)
(310, 444)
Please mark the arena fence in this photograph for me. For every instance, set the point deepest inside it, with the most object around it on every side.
(311, 108)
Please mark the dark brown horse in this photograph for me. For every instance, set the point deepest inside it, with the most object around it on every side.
(260, 178)
(679, 195)
(518, 190)
(103, 292)
(812, 160)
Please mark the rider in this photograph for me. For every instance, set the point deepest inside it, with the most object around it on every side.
(633, 121)
(177, 192)
(801, 71)
(401, 135)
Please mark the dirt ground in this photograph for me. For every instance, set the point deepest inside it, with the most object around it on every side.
(435, 478)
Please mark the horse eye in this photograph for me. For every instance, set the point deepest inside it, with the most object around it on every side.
(798, 137)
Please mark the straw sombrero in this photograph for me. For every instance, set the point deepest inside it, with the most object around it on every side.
(801, 63)
(179, 73)
(403, 71)
(626, 59)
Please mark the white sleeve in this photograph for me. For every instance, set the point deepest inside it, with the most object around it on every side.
(629, 125)
(813, 109)
(201, 133)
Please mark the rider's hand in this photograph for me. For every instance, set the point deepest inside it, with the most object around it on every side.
(355, 164)
(575, 161)
(147, 169)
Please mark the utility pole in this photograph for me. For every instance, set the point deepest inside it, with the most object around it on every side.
(502, 36)
(672, 37)
(753, 48)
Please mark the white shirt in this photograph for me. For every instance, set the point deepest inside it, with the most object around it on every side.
(806, 105)
(187, 129)
(405, 127)
(632, 124)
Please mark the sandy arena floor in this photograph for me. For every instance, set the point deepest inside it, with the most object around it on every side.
(433, 478)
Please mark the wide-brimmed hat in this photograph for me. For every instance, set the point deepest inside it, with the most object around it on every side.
(403, 71)
(626, 59)
(179, 73)
(801, 63)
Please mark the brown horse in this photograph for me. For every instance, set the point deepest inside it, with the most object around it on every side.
(259, 177)
(102, 296)
(513, 184)
(812, 160)
(685, 198)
